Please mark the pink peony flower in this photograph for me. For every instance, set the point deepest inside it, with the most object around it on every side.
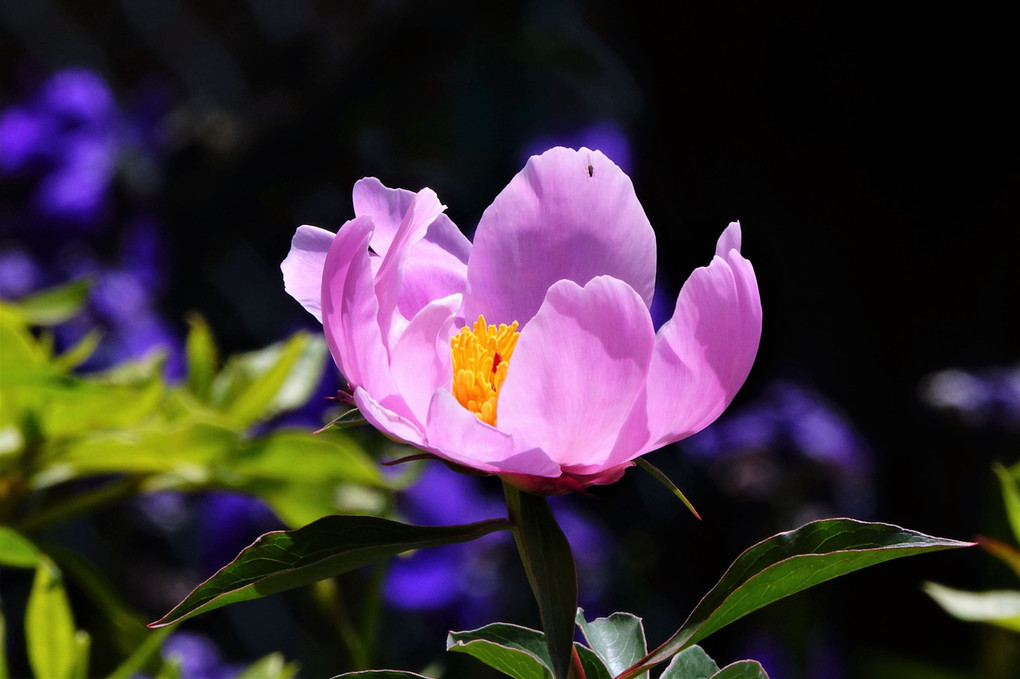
(529, 353)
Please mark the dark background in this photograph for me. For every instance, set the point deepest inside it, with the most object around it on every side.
(870, 154)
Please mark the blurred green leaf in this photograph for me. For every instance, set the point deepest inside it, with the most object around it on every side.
(273, 666)
(203, 358)
(690, 663)
(1011, 497)
(788, 563)
(332, 545)
(54, 305)
(49, 626)
(322, 459)
(4, 671)
(743, 669)
(1000, 607)
(619, 640)
(1006, 553)
(516, 651)
(260, 384)
(171, 669)
(549, 565)
(82, 648)
(16, 550)
(80, 352)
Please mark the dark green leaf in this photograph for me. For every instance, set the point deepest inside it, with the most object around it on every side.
(49, 626)
(744, 669)
(380, 674)
(516, 651)
(332, 545)
(549, 564)
(592, 664)
(619, 640)
(788, 563)
(691, 663)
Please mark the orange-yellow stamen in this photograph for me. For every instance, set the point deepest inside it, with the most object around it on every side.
(481, 357)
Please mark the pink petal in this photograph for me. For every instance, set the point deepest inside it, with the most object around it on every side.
(386, 420)
(421, 359)
(436, 265)
(302, 269)
(702, 355)
(350, 310)
(577, 369)
(568, 215)
(455, 433)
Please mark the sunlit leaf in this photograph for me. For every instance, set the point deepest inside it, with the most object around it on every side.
(690, 663)
(49, 625)
(16, 550)
(1010, 497)
(54, 305)
(332, 545)
(203, 358)
(272, 666)
(619, 640)
(1000, 607)
(788, 563)
(80, 352)
(518, 652)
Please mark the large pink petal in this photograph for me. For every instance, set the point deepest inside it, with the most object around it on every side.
(350, 311)
(456, 433)
(576, 371)
(568, 215)
(702, 355)
(302, 269)
(421, 360)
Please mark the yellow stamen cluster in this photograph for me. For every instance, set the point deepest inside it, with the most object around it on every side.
(481, 356)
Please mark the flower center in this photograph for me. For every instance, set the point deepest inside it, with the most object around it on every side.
(481, 356)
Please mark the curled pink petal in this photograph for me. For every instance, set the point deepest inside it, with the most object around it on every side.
(569, 215)
(302, 269)
(702, 354)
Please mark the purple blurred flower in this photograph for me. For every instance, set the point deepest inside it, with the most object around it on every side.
(790, 429)
(465, 578)
(988, 397)
(199, 658)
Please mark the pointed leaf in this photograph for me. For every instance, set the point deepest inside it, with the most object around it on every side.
(49, 626)
(661, 477)
(1000, 608)
(691, 663)
(549, 564)
(788, 563)
(282, 560)
(619, 640)
(203, 358)
(744, 669)
(518, 652)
